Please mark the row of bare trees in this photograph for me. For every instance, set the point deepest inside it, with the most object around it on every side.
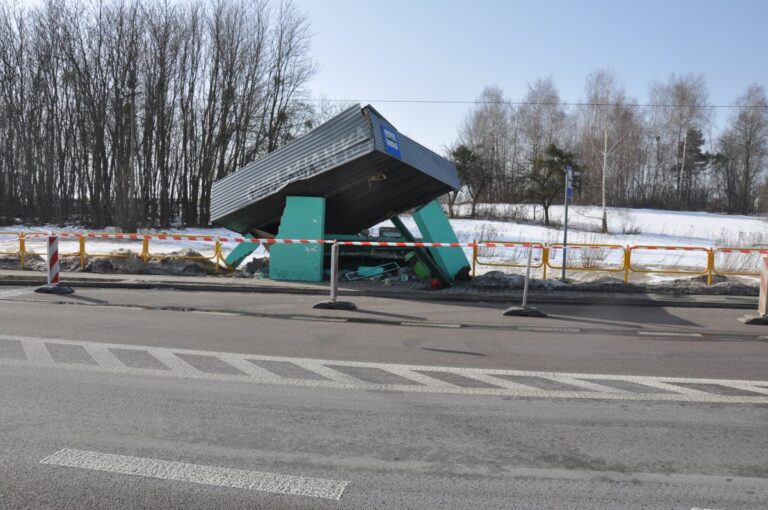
(125, 111)
(664, 154)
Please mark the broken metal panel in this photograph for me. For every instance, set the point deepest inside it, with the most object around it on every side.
(345, 161)
(434, 227)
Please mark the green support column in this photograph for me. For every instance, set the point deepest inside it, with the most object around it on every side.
(303, 218)
(435, 228)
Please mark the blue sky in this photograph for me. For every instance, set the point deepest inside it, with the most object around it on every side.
(452, 49)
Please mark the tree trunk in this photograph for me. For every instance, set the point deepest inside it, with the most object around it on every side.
(605, 167)
(682, 169)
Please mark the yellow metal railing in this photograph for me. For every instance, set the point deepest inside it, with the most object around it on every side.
(706, 270)
(24, 238)
(476, 261)
(591, 256)
(730, 253)
(594, 256)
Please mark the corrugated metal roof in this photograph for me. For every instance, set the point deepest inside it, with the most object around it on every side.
(344, 160)
(415, 154)
(341, 139)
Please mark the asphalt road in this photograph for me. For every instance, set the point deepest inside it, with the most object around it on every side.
(251, 401)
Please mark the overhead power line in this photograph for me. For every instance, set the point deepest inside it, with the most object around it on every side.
(535, 103)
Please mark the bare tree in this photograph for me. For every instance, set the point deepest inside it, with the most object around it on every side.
(744, 145)
(124, 111)
(681, 107)
(542, 118)
(608, 124)
(487, 135)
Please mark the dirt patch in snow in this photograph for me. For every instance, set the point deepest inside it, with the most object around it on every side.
(721, 285)
(502, 280)
(127, 262)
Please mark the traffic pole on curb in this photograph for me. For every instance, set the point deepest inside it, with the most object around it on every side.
(761, 319)
(568, 195)
(524, 310)
(53, 270)
(333, 303)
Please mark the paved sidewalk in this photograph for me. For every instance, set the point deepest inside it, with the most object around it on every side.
(409, 290)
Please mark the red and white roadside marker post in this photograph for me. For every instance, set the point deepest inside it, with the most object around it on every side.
(54, 285)
(762, 300)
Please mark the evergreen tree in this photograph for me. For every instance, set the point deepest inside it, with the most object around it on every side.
(546, 180)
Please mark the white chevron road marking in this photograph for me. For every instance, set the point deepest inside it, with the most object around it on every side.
(418, 378)
(196, 473)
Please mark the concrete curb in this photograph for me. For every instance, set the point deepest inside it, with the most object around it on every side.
(538, 297)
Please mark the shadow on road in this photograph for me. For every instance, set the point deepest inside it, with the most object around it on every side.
(86, 299)
(392, 315)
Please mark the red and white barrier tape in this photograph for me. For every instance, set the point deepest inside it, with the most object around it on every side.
(743, 250)
(210, 239)
(585, 247)
(671, 248)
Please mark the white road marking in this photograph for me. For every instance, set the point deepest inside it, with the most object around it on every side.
(546, 329)
(39, 356)
(211, 312)
(489, 379)
(37, 353)
(327, 372)
(431, 324)
(587, 385)
(423, 379)
(318, 319)
(103, 356)
(196, 473)
(176, 364)
(745, 387)
(249, 368)
(670, 387)
(667, 333)
(15, 292)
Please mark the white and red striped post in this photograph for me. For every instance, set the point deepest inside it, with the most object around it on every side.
(762, 301)
(53, 261)
(762, 304)
(54, 269)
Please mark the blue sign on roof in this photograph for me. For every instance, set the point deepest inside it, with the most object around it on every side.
(391, 144)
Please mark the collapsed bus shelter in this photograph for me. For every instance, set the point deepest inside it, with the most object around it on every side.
(345, 176)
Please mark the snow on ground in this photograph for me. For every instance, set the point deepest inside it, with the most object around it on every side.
(636, 226)
(521, 222)
(37, 244)
(627, 227)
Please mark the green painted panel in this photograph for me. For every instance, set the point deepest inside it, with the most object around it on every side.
(435, 228)
(303, 218)
(241, 251)
(369, 271)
